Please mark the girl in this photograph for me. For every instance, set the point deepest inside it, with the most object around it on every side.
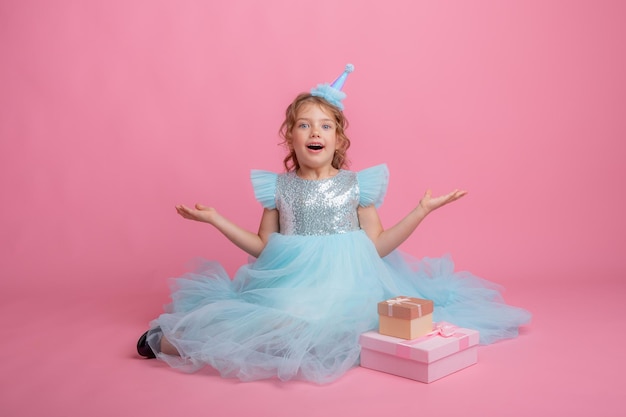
(323, 262)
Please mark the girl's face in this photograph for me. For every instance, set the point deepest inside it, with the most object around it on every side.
(314, 137)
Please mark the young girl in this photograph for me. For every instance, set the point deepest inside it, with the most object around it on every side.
(323, 262)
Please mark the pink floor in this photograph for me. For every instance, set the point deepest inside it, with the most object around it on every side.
(76, 357)
(112, 112)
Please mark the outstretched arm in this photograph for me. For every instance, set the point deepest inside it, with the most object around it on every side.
(250, 242)
(388, 240)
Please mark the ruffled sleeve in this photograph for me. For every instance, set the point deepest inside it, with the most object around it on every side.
(264, 184)
(373, 185)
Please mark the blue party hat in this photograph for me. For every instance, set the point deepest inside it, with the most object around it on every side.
(332, 92)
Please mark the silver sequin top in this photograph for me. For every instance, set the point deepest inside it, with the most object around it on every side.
(317, 207)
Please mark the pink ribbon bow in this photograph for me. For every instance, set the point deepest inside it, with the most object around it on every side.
(444, 329)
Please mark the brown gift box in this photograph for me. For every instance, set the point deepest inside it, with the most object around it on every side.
(405, 317)
(406, 308)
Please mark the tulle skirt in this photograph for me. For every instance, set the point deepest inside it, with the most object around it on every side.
(297, 311)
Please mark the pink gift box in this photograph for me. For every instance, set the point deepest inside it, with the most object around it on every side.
(425, 359)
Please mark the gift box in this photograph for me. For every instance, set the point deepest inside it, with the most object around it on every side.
(446, 350)
(405, 317)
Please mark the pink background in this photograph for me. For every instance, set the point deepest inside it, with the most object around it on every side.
(112, 112)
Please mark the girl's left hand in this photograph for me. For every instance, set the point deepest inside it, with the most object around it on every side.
(200, 213)
(430, 203)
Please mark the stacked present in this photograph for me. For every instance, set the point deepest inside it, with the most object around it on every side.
(408, 345)
(404, 317)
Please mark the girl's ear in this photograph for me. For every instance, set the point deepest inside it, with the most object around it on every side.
(341, 142)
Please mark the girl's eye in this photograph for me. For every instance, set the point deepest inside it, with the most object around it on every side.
(303, 125)
(327, 127)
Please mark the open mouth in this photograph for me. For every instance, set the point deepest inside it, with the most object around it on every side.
(315, 146)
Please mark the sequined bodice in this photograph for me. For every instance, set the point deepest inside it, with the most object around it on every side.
(317, 207)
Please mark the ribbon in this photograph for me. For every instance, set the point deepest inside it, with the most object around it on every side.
(443, 329)
(399, 301)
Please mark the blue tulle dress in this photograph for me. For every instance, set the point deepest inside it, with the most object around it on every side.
(296, 311)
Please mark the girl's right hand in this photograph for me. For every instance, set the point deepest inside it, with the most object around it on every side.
(200, 213)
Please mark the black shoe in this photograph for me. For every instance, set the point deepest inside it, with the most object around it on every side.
(143, 348)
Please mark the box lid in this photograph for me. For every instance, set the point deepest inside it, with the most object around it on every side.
(427, 349)
(407, 308)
